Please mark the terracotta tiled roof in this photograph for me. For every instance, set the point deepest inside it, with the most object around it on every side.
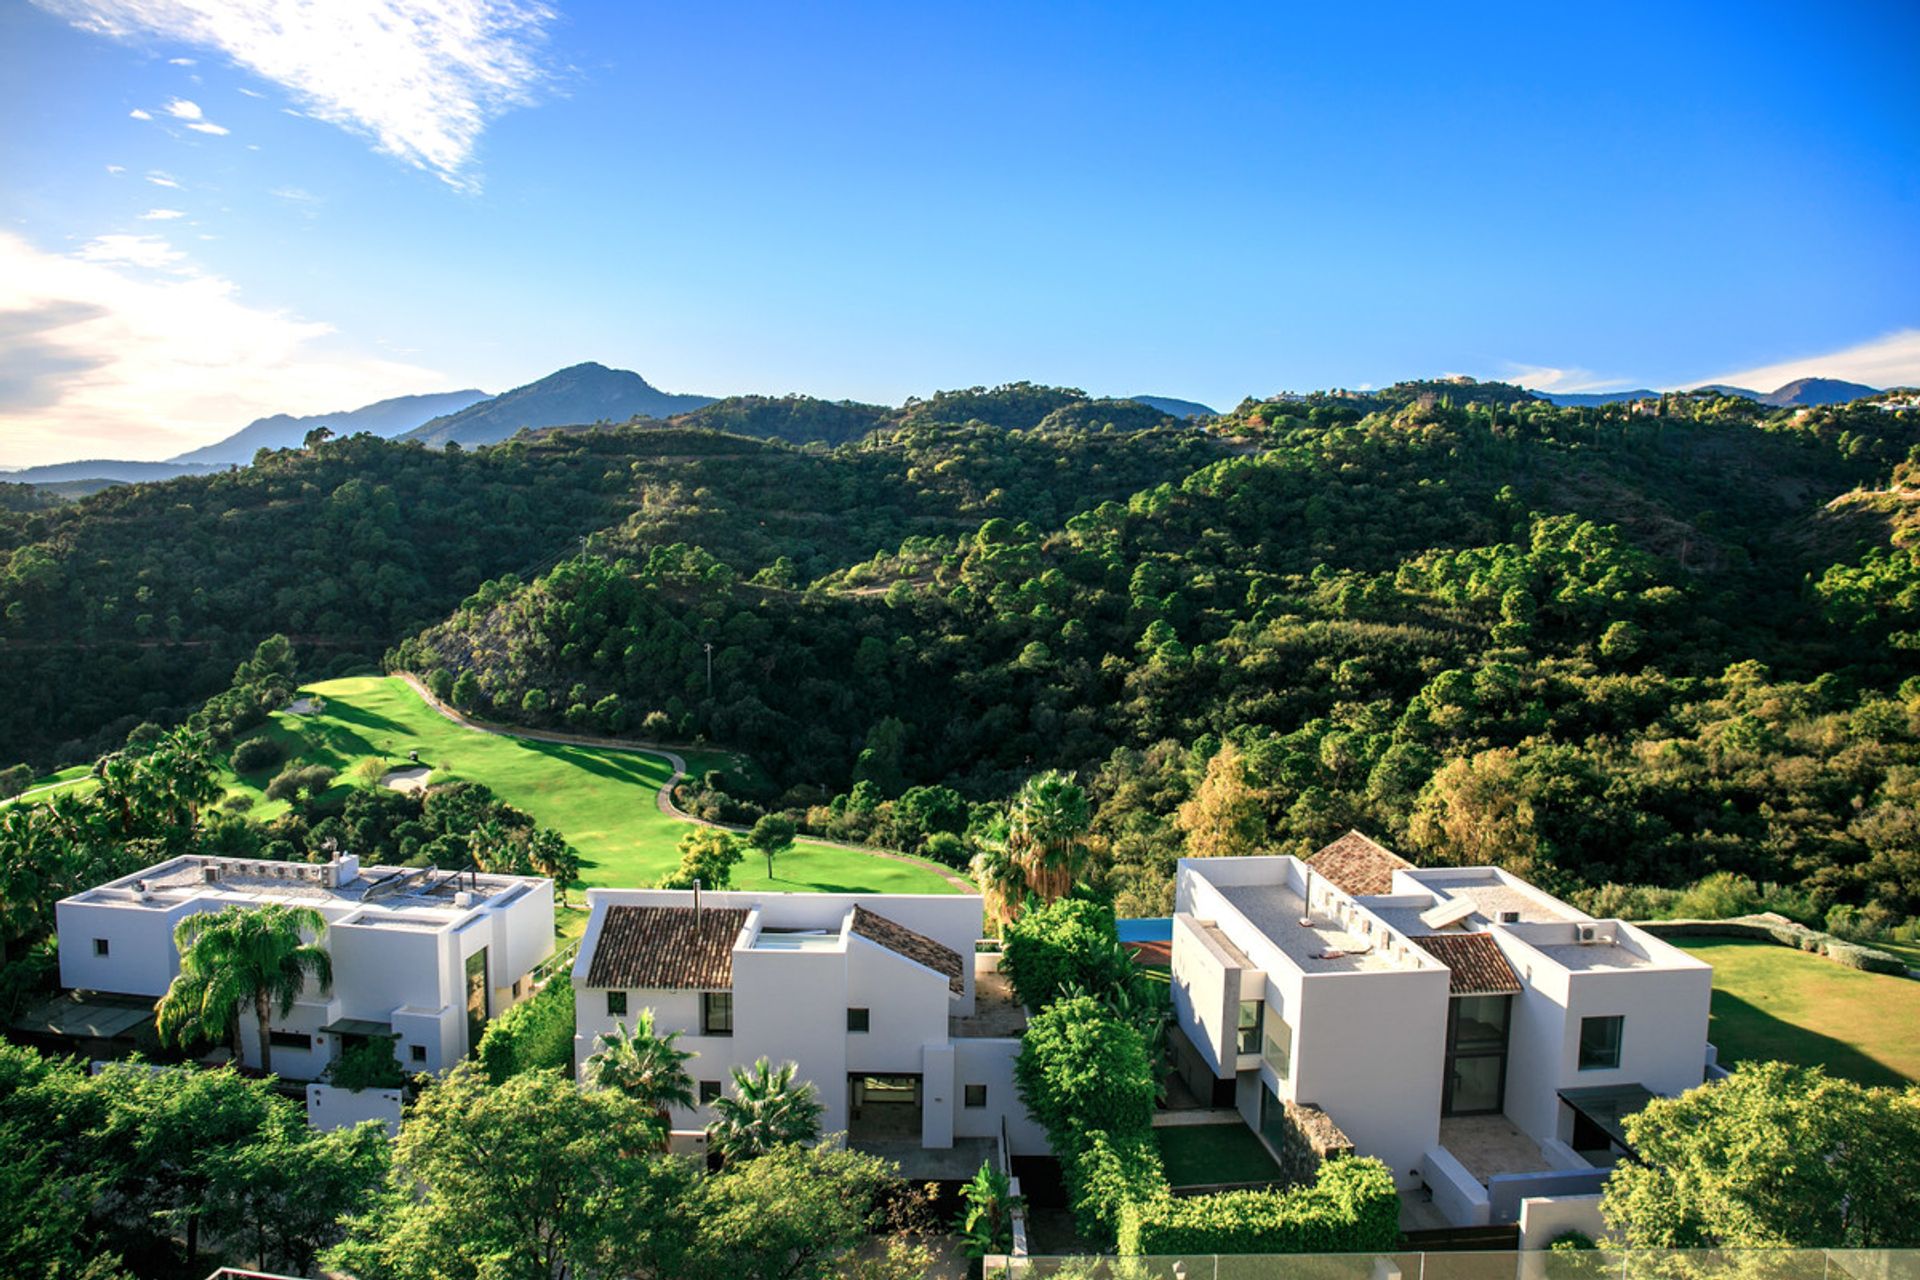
(914, 946)
(1358, 866)
(663, 948)
(1475, 964)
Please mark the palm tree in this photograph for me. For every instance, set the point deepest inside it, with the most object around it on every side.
(643, 1064)
(1002, 880)
(242, 956)
(1046, 829)
(768, 1108)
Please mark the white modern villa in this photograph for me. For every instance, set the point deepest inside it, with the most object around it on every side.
(1481, 1037)
(907, 1035)
(421, 957)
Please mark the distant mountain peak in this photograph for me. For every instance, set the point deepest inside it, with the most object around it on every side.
(578, 395)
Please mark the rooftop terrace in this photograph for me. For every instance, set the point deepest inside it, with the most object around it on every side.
(428, 895)
(1326, 944)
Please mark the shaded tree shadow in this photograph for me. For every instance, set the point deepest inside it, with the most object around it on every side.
(1744, 1032)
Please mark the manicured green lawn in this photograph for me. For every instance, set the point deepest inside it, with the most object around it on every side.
(72, 778)
(1204, 1154)
(601, 799)
(1773, 1002)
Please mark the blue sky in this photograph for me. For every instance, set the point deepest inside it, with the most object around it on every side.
(211, 214)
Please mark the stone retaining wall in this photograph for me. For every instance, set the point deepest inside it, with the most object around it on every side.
(1309, 1139)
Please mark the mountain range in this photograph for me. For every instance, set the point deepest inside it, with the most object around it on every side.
(1801, 393)
(384, 418)
(582, 394)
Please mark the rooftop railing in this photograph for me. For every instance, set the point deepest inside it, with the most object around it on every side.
(1537, 1264)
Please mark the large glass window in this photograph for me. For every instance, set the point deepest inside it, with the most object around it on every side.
(1600, 1043)
(476, 997)
(1249, 1030)
(1277, 1043)
(716, 1013)
(1476, 1082)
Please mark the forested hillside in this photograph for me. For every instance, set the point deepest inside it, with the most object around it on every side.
(1599, 646)
(1594, 646)
(135, 604)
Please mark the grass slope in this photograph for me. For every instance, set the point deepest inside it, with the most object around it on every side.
(1773, 1002)
(601, 799)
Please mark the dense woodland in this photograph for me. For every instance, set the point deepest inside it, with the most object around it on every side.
(1610, 648)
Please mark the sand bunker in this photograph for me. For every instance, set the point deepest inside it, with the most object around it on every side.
(414, 779)
(300, 707)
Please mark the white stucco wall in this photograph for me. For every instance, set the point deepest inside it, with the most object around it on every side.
(1370, 1051)
(1206, 995)
(990, 1062)
(330, 1108)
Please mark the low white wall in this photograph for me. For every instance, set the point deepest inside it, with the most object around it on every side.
(1544, 1219)
(331, 1108)
(1456, 1193)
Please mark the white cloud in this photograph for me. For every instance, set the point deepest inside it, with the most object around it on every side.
(1566, 381)
(421, 78)
(116, 168)
(184, 109)
(1890, 361)
(161, 215)
(148, 252)
(138, 114)
(100, 362)
(180, 62)
(208, 126)
(162, 179)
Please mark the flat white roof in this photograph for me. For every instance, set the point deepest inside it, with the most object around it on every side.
(406, 897)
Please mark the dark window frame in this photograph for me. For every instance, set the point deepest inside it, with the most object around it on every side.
(1471, 1048)
(711, 1025)
(709, 1092)
(1613, 1048)
(103, 946)
(972, 1091)
(859, 1020)
(296, 1040)
(417, 1052)
(616, 1004)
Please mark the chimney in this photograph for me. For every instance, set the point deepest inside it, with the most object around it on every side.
(696, 904)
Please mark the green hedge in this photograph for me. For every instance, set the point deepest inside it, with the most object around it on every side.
(1106, 1174)
(1350, 1208)
(1087, 1079)
(1065, 944)
(537, 1032)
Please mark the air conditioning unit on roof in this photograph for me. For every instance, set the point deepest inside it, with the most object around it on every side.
(1586, 934)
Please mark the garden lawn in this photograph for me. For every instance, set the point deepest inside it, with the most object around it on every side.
(1198, 1155)
(1774, 1002)
(602, 799)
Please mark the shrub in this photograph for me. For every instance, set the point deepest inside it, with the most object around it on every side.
(538, 1032)
(1065, 944)
(1350, 1208)
(947, 849)
(368, 1065)
(256, 754)
(14, 780)
(295, 780)
(1081, 1068)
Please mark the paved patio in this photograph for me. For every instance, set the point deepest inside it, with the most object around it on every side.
(1487, 1145)
(957, 1163)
